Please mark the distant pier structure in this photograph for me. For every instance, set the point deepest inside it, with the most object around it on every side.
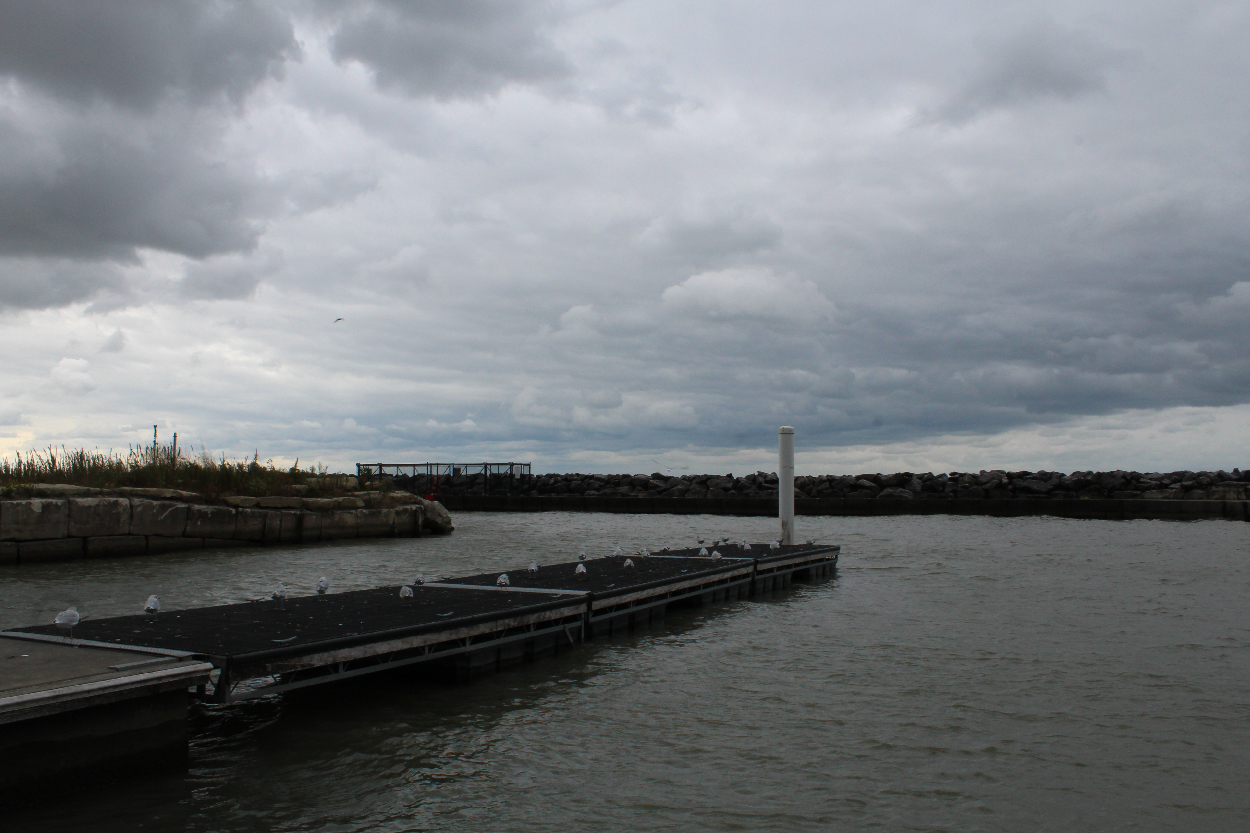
(469, 478)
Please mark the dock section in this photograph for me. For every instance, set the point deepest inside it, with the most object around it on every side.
(128, 677)
(69, 710)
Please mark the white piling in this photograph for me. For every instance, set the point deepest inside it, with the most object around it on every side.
(785, 482)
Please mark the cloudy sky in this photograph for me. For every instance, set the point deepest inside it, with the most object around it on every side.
(622, 236)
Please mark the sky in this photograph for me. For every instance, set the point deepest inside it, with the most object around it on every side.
(629, 236)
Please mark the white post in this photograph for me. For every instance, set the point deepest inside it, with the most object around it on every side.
(785, 482)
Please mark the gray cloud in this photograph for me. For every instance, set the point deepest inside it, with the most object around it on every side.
(448, 50)
(1042, 60)
(135, 52)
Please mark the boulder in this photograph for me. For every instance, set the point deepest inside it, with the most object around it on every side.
(437, 519)
(1228, 491)
(895, 493)
(205, 521)
(158, 494)
(241, 501)
(274, 502)
(92, 516)
(61, 490)
(156, 517)
(29, 520)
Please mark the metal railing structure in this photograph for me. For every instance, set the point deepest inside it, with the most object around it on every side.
(497, 478)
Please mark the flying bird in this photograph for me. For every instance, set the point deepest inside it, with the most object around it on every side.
(337, 320)
(503, 580)
(152, 606)
(66, 619)
(405, 592)
(322, 586)
(580, 572)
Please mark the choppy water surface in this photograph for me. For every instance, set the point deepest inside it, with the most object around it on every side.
(958, 674)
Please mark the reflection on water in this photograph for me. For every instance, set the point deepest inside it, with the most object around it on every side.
(960, 674)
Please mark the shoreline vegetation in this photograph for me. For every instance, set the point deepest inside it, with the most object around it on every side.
(994, 484)
(166, 466)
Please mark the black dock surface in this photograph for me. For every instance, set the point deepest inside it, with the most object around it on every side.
(307, 640)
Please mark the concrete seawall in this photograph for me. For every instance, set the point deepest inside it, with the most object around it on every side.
(42, 529)
(1109, 509)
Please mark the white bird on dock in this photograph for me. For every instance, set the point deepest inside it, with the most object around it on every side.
(323, 586)
(279, 593)
(703, 552)
(716, 554)
(746, 545)
(533, 567)
(629, 563)
(665, 549)
(580, 572)
(152, 606)
(581, 554)
(811, 541)
(617, 551)
(66, 619)
(644, 552)
(420, 579)
(775, 545)
(405, 592)
(503, 580)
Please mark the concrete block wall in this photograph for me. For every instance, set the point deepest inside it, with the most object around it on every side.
(58, 529)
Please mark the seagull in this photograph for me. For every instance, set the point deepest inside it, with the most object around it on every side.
(503, 580)
(405, 592)
(581, 554)
(703, 551)
(152, 606)
(716, 554)
(279, 594)
(644, 552)
(337, 320)
(629, 563)
(580, 572)
(775, 545)
(533, 567)
(665, 549)
(701, 541)
(66, 619)
(811, 541)
(746, 545)
(323, 585)
(420, 579)
(617, 551)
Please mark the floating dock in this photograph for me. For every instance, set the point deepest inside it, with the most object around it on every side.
(461, 626)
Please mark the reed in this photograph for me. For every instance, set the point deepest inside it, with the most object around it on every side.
(166, 466)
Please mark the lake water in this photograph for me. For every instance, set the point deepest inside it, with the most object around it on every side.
(961, 674)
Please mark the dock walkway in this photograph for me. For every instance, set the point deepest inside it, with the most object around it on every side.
(466, 624)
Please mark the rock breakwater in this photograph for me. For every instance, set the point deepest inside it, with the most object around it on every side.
(994, 484)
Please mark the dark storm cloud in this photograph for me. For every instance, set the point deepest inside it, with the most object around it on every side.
(30, 283)
(134, 52)
(108, 192)
(447, 50)
(1039, 61)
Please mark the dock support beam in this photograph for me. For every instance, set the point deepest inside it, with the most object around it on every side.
(785, 482)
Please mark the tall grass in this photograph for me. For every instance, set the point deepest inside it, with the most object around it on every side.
(166, 467)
